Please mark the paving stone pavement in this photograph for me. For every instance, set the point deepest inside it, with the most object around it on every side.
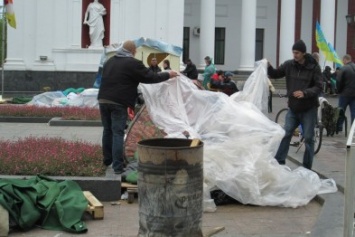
(238, 220)
(322, 217)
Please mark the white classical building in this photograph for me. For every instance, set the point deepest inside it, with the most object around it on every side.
(51, 42)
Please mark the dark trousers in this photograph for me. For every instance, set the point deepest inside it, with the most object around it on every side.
(114, 119)
(308, 120)
(345, 101)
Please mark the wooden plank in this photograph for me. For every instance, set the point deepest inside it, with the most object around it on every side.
(213, 231)
(195, 142)
(92, 199)
(95, 207)
(128, 185)
(131, 192)
(4, 222)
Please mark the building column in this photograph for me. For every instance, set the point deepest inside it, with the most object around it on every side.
(247, 34)
(327, 22)
(207, 29)
(176, 25)
(287, 29)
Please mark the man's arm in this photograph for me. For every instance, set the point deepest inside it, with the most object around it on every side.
(144, 75)
(340, 80)
(187, 70)
(276, 73)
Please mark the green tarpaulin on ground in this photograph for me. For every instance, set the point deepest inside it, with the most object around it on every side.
(41, 201)
(20, 100)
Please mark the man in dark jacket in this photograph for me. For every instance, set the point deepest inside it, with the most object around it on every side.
(346, 88)
(304, 84)
(154, 66)
(118, 91)
(190, 70)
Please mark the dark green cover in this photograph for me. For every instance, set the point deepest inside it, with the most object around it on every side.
(50, 204)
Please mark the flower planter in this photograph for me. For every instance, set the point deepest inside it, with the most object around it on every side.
(13, 119)
(57, 121)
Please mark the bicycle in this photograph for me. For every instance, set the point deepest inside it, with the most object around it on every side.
(318, 131)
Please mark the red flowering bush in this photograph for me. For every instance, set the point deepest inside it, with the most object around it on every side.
(68, 113)
(50, 156)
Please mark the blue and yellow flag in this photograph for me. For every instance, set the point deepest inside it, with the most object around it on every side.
(326, 48)
(333, 56)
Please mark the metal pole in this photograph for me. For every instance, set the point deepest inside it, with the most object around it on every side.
(3, 50)
(349, 185)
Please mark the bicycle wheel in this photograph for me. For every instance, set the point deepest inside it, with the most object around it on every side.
(281, 117)
(318, 136)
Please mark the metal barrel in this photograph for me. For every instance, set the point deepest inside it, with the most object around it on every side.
(170, 188)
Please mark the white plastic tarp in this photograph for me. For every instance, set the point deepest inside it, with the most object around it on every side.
(239, 141)
(87, 98)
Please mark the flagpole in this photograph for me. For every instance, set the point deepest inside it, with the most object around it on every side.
(2, 51)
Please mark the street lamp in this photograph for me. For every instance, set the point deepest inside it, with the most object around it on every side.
(350, 19)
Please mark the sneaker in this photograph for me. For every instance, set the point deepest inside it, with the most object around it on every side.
(106, 162)
(118, 171)
(294, 143)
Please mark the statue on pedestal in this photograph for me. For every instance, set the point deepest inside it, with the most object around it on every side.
(93, 18)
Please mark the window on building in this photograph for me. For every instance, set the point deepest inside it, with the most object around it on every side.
(259, 44)
(186, 44)
(220, 45)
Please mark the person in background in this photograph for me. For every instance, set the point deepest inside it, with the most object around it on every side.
(190, 70)
(346, 89)
(327, 74)
(166, 65)
(121, 76)
(207, 74)
(154, 66)
(304, 84)
(315, 55)
(333, 80)
(216, 79)
(228, 86)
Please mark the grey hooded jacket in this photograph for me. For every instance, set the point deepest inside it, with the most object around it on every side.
(346, 80)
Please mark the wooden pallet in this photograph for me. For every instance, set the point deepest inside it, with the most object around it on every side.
(95, 207)
(131, 190)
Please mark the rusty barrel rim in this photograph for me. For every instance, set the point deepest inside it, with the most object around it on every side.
(169, 143)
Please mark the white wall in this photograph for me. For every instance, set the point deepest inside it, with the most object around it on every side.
(267, 19)
(53, 29)
(228, 15)
(306, 24)
(341, 33)
(192, 19)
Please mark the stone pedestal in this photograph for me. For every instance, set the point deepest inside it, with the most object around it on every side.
(4, 222)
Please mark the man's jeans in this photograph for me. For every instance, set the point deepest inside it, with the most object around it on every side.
(308, 120)
(343, 102)
(113, 118)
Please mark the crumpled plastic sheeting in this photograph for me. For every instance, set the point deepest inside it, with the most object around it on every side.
(239, 141)
(256, 88)
(87, 98)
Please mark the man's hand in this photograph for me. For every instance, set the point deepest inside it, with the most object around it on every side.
(298, 94)
(172, 74)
